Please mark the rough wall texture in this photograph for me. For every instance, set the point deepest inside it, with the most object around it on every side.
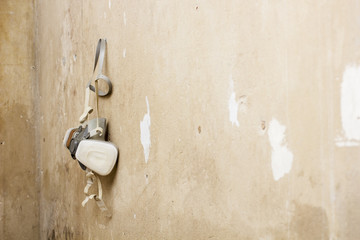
(19, 215)
(234, 119)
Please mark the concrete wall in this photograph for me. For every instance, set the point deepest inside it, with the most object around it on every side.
(19, 198)
(252, 110)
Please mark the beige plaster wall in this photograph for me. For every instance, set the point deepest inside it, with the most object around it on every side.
(254, 119)
(19, 197)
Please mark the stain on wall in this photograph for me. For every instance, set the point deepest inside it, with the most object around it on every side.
(309, 222)
(253, 131)
(19, 188)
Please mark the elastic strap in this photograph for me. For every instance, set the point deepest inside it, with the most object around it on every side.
(99, 62)
(87, 109)
(98, 129)
(91, 178)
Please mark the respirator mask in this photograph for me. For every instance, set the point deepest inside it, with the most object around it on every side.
(87, 143)
(93, 153)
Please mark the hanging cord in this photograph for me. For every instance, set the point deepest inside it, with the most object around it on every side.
(91, 178)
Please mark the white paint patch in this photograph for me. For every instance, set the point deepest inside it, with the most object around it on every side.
(145, 132)
(233, 104)
(350, 108)
(109, 4)
(124, 16)
(124, 53)
(281, 157)
(134, 216)
(340, 142)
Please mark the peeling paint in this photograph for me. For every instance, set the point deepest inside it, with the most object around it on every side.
(233, 105)
(145, 132)
(109, 4)
(350, 108)
(281, 157)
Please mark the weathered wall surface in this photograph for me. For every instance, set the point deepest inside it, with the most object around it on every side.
(252, 110)
(19, 208)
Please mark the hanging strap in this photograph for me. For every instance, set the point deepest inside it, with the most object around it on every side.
(98, 130)
(91, 178)
(98, 64)
(87, 108)
(99, 61)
